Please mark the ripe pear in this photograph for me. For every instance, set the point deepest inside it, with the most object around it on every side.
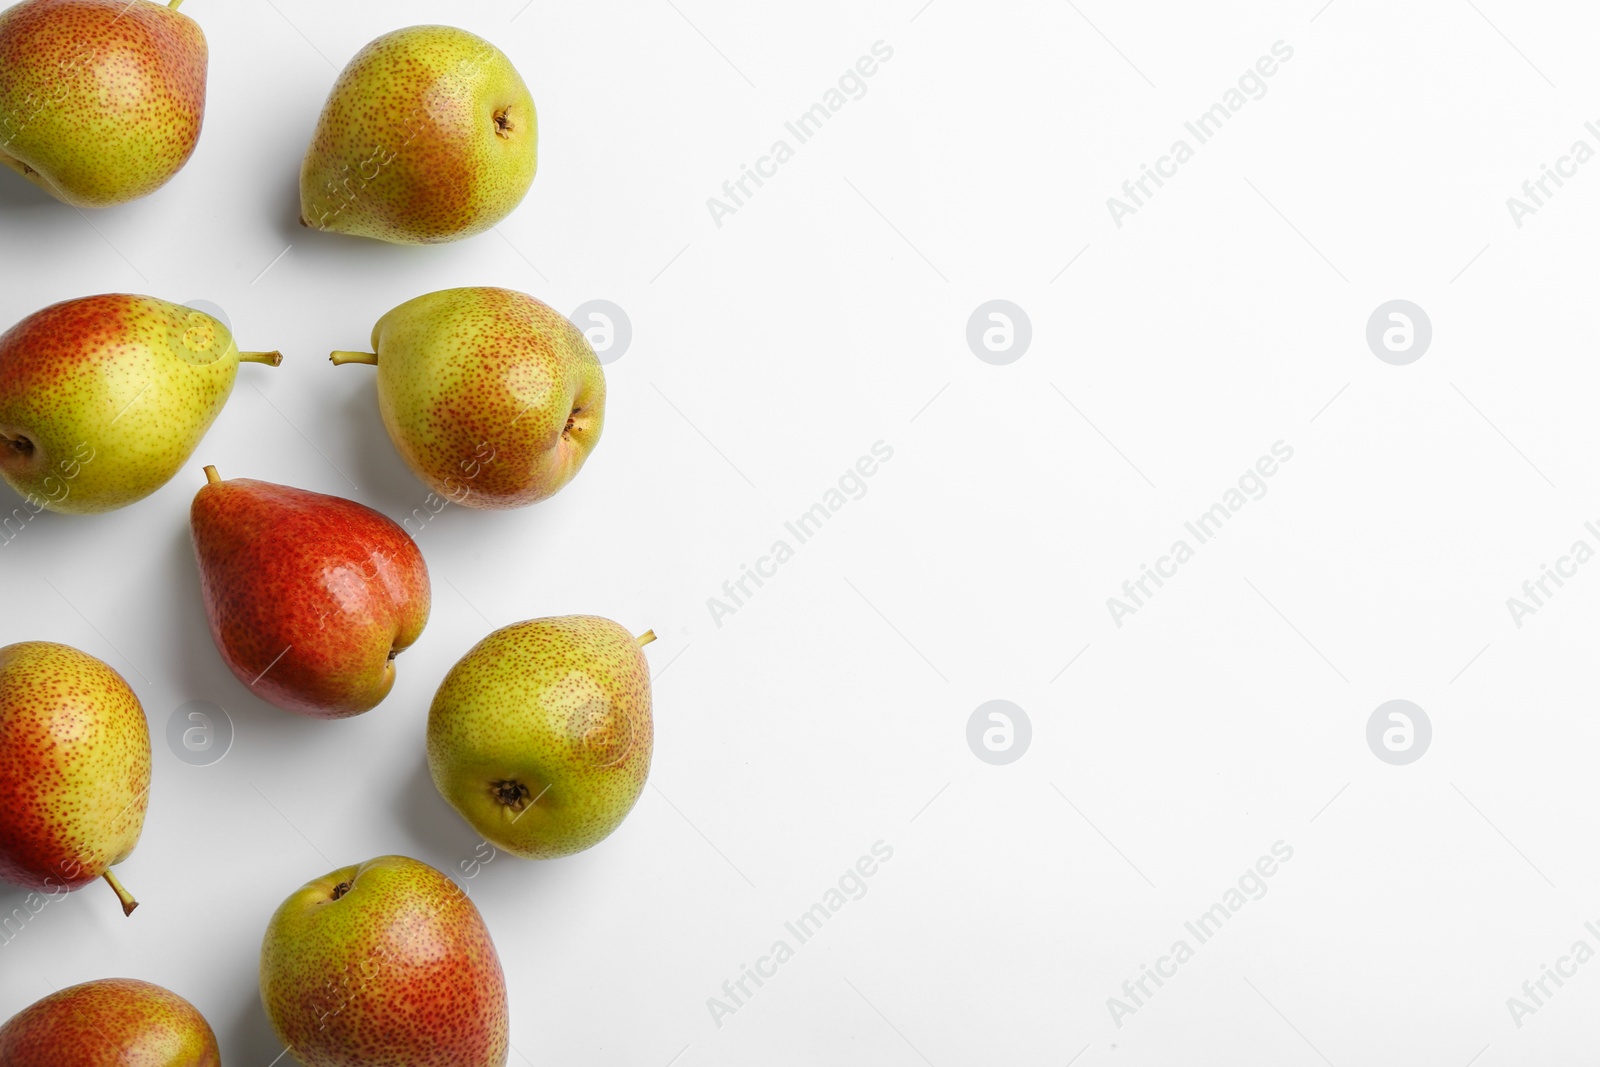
(310, 597)
(103, 399)
(491, 397)
(100, 100)
(541, 735)
(114, 1022)
(384, 963)
(74, 770)
(429, 135)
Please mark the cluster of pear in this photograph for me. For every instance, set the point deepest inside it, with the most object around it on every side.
(540, 736)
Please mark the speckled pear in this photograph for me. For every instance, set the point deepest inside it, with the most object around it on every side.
(100, 100)
(103, 399)
(310, 597)
(384, 964)
(429, 135)
(491, 397)
(114, 1022)
(74, 770)
(541, 735)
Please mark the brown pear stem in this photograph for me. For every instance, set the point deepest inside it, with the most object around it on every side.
(212, 477)
(271, 359)
(128, 903)
(645, 638)
(341, 358)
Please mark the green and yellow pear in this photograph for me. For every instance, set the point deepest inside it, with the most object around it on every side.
(103, 399)
(114, 1022)
(74, 770)
(384, 964)
(100, 100)
(491, 397)
(429, 135)
(541, 735)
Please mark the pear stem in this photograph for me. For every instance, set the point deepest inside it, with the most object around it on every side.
(645, 638)
(128, 903)
(271, 359)
(212, 477)
(341, 358)
(174, 4)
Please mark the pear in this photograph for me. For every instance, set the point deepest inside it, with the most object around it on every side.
(115, 1022)
(429, 135)
(100, 100)
(384, 963)
(103, 399)
(491, 397)
(541, 735)
(310, 597)
(74, 770)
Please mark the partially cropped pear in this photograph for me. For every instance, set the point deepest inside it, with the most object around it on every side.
(541, 735)
(74, 770)
(490, 396)
(100, 100)
(310, 597)
(114, 1022)
(384, 964)
(429, 135)
(103, 399)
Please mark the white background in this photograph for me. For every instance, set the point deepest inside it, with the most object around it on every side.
(830, 711)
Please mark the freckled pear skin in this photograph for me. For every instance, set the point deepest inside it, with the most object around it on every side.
(74, 769)
(100, 100)
(429, 135)
(114, 1022)
(384, 964)
(310, 597)
(541, 735)
(491, 397)
(104, 398)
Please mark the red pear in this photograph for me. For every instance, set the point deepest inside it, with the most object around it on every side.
(115, 1022)
(310, 597)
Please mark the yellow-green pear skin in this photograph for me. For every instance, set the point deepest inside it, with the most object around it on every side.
(491, 397)
(113, 1022)
(385, 964)
(103, 399)
(429, 135)
(100, 100)
(541, 735)
(74, 769)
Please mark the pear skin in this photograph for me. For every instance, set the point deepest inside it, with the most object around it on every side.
(491, 397)
(310, 597)
(114, 1022)
(103, 399)
(384, 963)
(541, 735)
(74, 769)
(429, 135)
(100, 100)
